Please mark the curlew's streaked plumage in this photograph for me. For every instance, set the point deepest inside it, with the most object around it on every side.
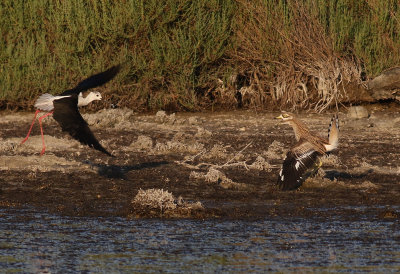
(302, 159)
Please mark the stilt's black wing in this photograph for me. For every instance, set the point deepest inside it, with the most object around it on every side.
(297, 165)
(67, 115)
(94, 81)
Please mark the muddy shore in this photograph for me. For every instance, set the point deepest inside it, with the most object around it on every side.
(208, 165)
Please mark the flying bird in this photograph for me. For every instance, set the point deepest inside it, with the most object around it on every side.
(303, 159)
(64, 108)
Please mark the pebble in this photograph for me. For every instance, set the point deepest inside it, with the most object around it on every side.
(358, 112)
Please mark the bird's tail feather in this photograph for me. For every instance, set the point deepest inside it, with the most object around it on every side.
(333, 131)
(44, 102)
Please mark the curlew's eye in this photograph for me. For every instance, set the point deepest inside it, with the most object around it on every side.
(285, 115)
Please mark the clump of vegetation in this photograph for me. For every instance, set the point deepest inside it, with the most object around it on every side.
(276, 150)
(161, 203)
(214, 176)
(191, 55)
(261, 164)
(155, 199)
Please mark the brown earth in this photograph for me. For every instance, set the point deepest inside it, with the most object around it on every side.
(226, 161)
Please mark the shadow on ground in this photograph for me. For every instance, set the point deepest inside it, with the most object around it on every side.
(119, 172)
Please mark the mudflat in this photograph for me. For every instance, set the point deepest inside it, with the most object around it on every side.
(199, 165)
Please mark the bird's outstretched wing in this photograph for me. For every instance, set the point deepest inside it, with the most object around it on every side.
(67, 115)
(296, 167)
(94, 81)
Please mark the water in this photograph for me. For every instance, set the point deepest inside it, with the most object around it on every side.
(33, 241)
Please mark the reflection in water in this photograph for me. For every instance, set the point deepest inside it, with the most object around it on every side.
(38, 242)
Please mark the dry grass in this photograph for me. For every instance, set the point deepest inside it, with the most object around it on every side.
(316, 72)
(261, 164)
(331, 160)
(276, 150)
(119, 118)
(158, 202)
(216, 152)
(142, 143)
(155, 199)
(295, 64)
(177, 146)
(215, 176)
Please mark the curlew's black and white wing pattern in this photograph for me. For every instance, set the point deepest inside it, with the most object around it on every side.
(66, 113)
(297, 165)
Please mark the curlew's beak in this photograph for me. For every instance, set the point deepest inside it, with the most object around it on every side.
(279, 117)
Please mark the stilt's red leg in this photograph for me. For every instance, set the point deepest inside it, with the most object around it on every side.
(30, 129)
(41, 131)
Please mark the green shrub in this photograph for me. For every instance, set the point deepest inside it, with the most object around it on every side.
(190, 55)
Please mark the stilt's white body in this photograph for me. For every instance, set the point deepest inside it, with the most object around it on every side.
(45, 101)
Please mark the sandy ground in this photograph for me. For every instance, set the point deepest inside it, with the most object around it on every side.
(199, 166)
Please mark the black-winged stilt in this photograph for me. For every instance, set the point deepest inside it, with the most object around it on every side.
(64, 108)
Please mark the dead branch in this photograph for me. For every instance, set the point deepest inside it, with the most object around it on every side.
(227, 164)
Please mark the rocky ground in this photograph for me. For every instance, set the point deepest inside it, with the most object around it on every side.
(200, 166)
